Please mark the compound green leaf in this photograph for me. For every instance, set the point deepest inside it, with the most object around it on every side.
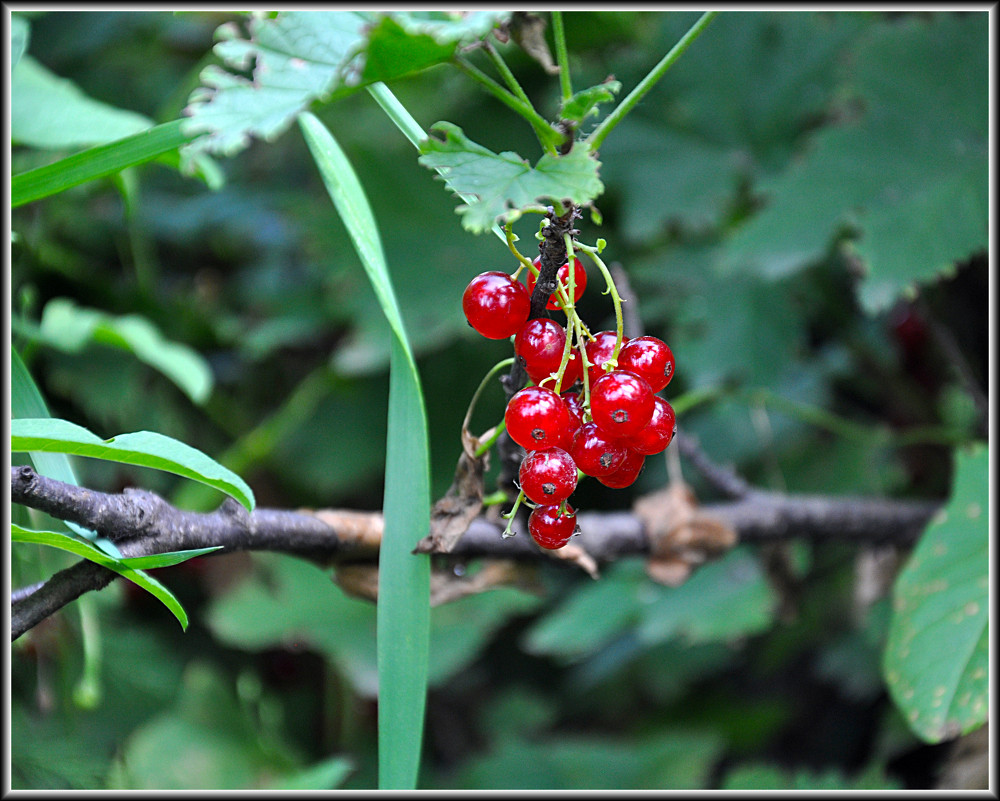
(501, 184)
(125, 568)
(70, 327)
(936, 661)
(143, 448)
(51, 112)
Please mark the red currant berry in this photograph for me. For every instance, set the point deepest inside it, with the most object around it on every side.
(548, 476)
(496, 305)
(550, 529)
(649, 358)
(627, 472)
(594, 452)
(656, 436)
(579, 277)
(539, 345)
(599, 350)
(574, 404)
(621, 403)
(537, 418)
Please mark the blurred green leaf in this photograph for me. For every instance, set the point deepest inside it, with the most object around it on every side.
(82, 548)
(770, 777)
(20, 32)
(918, 154)
(326, 775)
(70, 327)
(505, 183)
(937, 659)
(51, 112)
(96, 162)
(144, 448)
(585, 102)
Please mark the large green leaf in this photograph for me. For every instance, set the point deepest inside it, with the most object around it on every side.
(404, 585)
(143, 448)
(70, 327)
(20, 32)
(302, 56)
(504, 183)
(910, 176)
(128, 570)
(937, 659)
(47, 111)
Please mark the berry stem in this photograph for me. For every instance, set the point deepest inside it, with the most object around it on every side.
(615, 299)
(496, 368)
(509, 516)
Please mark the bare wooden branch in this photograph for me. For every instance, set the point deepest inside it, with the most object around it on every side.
(141, 523)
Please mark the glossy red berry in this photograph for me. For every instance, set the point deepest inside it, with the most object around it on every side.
(574, 404)
(548, 476)
(539, 345)
(579, 278)
(649, 358)
(595, 452)
(495, 304)
(537, 418)
(627, 472)
(550, 529)
(621, 403)
(599, 350)
(656, 436)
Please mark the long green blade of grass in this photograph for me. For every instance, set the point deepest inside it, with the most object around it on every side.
(403, 617)
(96, 162)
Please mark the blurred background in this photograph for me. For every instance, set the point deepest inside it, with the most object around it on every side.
(775, 201)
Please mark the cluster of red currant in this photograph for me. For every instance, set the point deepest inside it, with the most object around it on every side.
(599, 416)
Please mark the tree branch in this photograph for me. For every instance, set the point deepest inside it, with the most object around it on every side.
(141, 523)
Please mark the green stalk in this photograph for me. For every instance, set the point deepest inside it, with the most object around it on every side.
(507, 75)
(547, 135)
(594, 141)
(562, 57)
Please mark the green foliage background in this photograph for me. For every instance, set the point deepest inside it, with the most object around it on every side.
(796, 203)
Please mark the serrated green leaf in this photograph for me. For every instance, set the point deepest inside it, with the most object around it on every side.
(504, 183)
(936, 661)
(585, 102)
(911, 177)
(96, 162)
(79, 547)
(70, 327)
(47, 111)
(143, 448)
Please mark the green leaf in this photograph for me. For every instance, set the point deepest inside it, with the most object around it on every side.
(937, 659)
(166, 559)
(143, 448)
(404, 584)
(96, 162)
(20, 32)
(66, 542)
(911, 177)
(770, 777)
(47, 111)
(585, 102)
(505, 183)
(70, 327)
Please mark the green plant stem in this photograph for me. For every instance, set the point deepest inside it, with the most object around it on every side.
(507, 75)
(547, 135)
(496, 368)
(608, 124)
(562, 57)
(488, 443)
(615, 299)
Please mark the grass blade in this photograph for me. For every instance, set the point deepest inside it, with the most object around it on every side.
(403, 616)
(96, 162)
(143, 448)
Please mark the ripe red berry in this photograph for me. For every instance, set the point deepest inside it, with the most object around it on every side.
(599, 350)
(496, 305)
(548, 476)
(627, 472)
(549, 528)
(656, 436)
(574, 404)
(539, 345)
(621, 403)
(649, 358)
(536, 418)
(579, 278)
(595, 452)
